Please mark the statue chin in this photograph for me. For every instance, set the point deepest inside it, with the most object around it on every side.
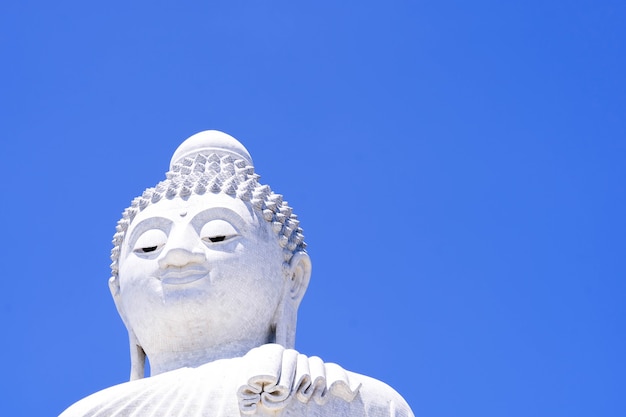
(209, 268)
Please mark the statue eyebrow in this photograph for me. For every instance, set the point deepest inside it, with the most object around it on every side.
(215, 213)
(156, 222)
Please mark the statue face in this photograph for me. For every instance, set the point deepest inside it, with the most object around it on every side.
(200, 272)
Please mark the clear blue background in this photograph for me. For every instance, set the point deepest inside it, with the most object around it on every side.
(458, 168)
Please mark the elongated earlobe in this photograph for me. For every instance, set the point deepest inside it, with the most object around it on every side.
(137, 354)
(137, 358)
(297, 276)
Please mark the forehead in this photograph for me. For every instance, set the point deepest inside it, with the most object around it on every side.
(219, 205)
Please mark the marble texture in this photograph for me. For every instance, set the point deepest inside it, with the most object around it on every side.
(209, 268)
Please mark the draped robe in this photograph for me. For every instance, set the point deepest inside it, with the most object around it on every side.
(268, 381)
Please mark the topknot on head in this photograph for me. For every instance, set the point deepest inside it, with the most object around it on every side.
(208, 142)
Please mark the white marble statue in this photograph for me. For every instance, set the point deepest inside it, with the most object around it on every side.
(209, 268)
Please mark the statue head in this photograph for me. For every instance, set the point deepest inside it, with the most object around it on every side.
(209, 263)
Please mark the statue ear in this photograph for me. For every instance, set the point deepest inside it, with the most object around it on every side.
(137, 355)
(299, 276)
(114, 286)
(298, 273)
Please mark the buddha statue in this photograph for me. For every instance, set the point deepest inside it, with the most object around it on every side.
(209, 268)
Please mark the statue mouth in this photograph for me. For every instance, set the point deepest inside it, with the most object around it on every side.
(184, 275)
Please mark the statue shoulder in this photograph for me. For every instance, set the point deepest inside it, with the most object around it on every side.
(268, 380)
(378, 398)
(203, 389)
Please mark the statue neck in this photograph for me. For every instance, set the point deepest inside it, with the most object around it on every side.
(166, 361)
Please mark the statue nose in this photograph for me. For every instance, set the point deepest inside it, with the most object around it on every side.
(179, 257)
(182, 249)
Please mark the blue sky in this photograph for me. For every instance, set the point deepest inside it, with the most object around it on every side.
(458, 169)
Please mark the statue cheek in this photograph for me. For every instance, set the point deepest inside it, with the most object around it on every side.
(134, 268)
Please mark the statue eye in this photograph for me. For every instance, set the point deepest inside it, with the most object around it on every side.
(150, 241)
(149, 249)
(217, 231)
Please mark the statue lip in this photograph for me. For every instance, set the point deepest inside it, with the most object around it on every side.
(183, 275)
